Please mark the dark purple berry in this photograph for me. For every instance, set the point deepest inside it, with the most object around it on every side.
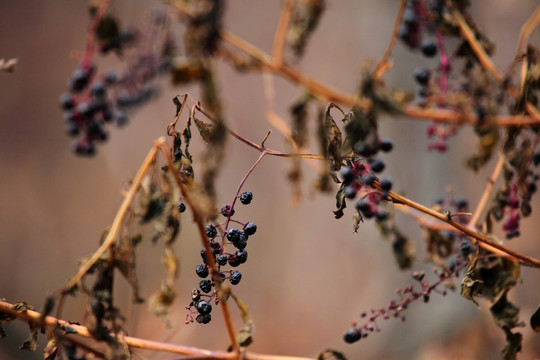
(428, 48)
(205, 285)
(227, 211)
(363, 206)
(368, 179)
(381, 215)
(111, 77)
(234, 262)
(422, 75)
(98, 89)
(203, 319)
(84, 148)
(201, 270)
(250, 228)
(71, 128)
(352, 335)
(67, 101)
(236, 276)
(386, 145)
(181, 207)
(377, 165)
(203, 307)
(536, 158)
(386, 184)
(241, 256)
(246, 197)
(462, 204)
(222, 259)
(211, 231)
(122, 118)
(233, 234)
(241, 243)
(346, 174)
(350, 192)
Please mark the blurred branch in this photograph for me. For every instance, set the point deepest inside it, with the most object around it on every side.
(8, 65)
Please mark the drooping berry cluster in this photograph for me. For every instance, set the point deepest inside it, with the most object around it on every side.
(94, 100)
(221, 238)
(359, 177)
(512, 202)
(407, 295)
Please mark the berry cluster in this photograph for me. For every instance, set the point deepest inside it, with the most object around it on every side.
(407, 296)
(513, 201)
(219, 237)
(359, 177)
(94, 100)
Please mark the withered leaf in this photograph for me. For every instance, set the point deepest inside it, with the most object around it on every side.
(170, 260)
(535, 320)
(340, 202)
(204, 27)
(4, 319)
(403, 250)
(513, 345)
(245, 337)
(333, 140)
(49, 353)
(361, 128)
(204, 129)
(505, 313)
(470, 286)
(299, 114)
(161, 300)
(357, 219)
(305, 19)
(124, 260)
(30, 343)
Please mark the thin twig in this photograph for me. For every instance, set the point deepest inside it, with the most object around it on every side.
(280, 35)
(119, 218)
(526, 31)
(487, 192)
(383, 65)
(483, 241)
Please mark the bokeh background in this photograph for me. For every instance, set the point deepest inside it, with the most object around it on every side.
(308, 276)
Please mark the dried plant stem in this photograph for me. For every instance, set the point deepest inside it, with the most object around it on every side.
(119, 218)
(487, 192)
(483, 241)
(197, 219)
(36, 318)
(281, 32)
(327, 93)
(384, 64)
(526, 31)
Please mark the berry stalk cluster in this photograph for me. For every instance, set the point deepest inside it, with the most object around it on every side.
(221, 237)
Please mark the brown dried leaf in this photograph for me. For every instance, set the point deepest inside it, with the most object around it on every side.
(49, 353)
(304, 21)
(403, 250)
(124, 260)
(161, 300)
(204, 129)
(535, 320)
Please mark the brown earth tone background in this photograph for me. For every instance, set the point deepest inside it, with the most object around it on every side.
(307, 276)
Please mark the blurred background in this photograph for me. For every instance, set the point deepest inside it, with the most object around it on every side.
(308, 276)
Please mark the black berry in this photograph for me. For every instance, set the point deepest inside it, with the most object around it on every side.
(203, 319)
(211, 231)
(377, 165)
(227, 211)
(203, 307)
(241, 256)
(205, 285)
(386, 145)
(233, 234)
(352, 335)
(236, 276)
(181, 207)
(246, 197)
(222, 259)
(536, 158)
(422, 76)
(67, 101)
(201, 270)
(386, 184)
(250, 228)
(350, 192)
(428, 48)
